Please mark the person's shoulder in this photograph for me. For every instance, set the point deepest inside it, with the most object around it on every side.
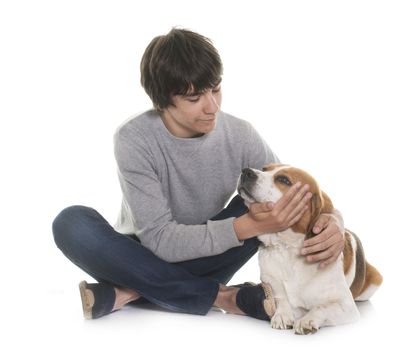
(137, 124)
(231, 119)
(236, 124)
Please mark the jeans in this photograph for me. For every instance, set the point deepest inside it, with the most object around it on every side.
(191, 286)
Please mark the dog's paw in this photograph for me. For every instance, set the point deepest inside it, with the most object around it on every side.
(282, 321)
(306, 325)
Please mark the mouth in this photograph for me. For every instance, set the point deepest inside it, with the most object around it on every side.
(242, 191)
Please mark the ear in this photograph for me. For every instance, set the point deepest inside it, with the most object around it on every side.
(320, 204)
(327, 203)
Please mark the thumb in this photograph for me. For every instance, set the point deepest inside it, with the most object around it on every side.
(320, 224)
(270, 206)
(261, 207)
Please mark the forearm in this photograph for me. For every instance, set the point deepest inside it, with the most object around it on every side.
(245, 227)
(174, 242)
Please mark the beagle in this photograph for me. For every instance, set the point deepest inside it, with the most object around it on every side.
(307, 297)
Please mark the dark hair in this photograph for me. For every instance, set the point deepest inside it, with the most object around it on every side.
(177, 62)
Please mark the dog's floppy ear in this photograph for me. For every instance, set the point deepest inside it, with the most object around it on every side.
(320, 204)
(327, 203)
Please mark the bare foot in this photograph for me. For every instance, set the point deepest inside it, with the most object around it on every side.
(226, 300)
(124, 296)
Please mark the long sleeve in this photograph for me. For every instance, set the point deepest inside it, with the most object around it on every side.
(150, 210)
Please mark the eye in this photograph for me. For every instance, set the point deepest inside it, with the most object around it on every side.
(283, 179)
(195, 99)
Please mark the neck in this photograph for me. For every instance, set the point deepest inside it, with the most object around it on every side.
(177, 129)
(287, 238)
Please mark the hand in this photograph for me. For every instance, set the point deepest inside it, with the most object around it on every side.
(277, 217)
(329, 242)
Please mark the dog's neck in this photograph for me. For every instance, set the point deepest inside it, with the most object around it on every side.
(285, 239)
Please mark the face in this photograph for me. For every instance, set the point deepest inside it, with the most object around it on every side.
(193, 115)
(274, 181)
(271, 183)
(260, 186)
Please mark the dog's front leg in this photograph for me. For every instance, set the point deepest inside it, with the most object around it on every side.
(330, 314)
(283, 317)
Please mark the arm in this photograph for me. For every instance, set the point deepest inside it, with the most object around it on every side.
(159, 232)
(326, 246)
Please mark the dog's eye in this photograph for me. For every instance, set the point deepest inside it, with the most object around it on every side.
(283, 179)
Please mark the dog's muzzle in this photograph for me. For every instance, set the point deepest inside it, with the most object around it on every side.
(247, 180)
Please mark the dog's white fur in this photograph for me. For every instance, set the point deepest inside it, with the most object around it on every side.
(307, 297)
(301, 300)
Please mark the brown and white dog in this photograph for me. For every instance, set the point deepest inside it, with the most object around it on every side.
(306, 297)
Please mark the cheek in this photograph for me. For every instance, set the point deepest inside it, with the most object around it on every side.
(265, 192)
(188, 116)
(274, 194)
(219, 99)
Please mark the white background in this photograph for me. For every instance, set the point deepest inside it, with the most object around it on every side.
(330, 85)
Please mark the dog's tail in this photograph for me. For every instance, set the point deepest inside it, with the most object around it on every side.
(373, 279)
(367, 278)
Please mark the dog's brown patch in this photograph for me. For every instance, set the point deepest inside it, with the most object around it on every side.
(347, 253)
(357, 285)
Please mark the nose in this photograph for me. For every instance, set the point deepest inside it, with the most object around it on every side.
(248, 175)
(211, 106)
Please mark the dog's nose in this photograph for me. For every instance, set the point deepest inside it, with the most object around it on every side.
(248, 175)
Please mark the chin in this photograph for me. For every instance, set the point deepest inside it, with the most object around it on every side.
(208, 128)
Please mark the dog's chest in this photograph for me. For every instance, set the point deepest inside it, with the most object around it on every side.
(286, 270)
(280, 256)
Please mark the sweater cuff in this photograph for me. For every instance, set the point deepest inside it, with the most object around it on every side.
(225, 233)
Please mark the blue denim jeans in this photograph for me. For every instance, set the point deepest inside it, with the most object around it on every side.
(191, 286)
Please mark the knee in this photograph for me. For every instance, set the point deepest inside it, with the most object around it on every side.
(66, 225)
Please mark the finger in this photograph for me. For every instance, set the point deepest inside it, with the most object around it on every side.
(286, 207)
(321, 256)
(301, 207)
(329, 260)
(321, 237)
(298, 212)
(257, 208)
(286, 198)
(321, 223)
(321, 246)
(298, 216)
(299, 201)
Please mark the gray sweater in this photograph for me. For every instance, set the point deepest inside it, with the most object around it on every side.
(172, 186)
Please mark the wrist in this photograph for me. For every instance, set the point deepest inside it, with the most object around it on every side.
(245, 227)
